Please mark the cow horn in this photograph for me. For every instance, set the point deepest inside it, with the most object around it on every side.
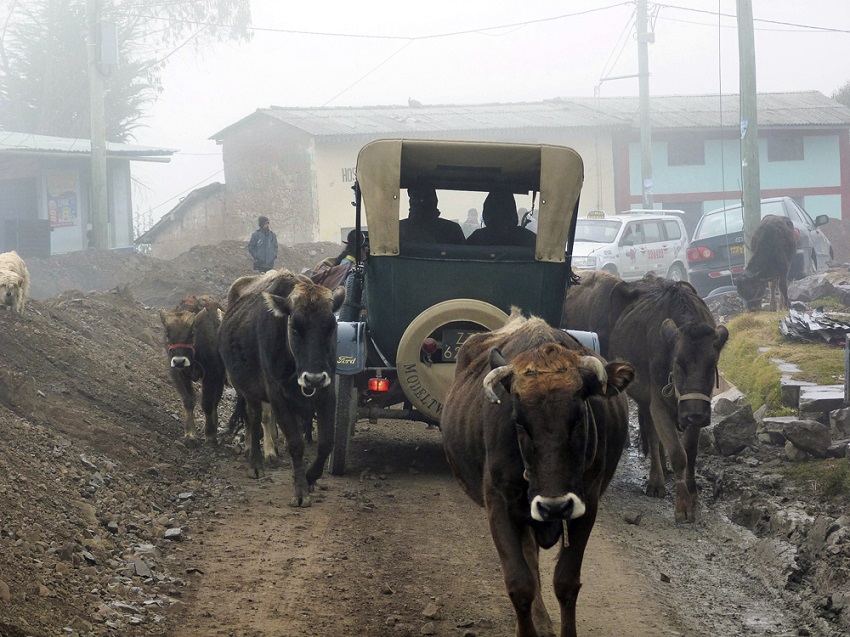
(595, 365)
(494, 377)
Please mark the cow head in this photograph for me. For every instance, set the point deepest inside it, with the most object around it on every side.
(311, 331)
(695, 349)
(180, 336)
(555, 427)
(751, 288)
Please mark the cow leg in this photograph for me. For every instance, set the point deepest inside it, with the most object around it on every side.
(287, 419)
(522, 579)
(665, 427)
(325, 417)
(690, 440)
(771, 290)
(655, 486)
(210, 396)
(783, 289)
(567, 577)
(269, 437)
(186, 389)
(253, 416)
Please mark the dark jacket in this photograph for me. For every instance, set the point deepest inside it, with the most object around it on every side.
(263, 247)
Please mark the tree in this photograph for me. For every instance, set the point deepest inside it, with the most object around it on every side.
(44, 68)
(843, 94)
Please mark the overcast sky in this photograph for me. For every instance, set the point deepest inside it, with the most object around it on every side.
(377, 52)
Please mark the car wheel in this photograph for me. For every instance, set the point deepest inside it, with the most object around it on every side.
(611, 269)
(677, 272)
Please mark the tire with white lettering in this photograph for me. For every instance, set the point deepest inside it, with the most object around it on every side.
(425, 385)
(346, 416)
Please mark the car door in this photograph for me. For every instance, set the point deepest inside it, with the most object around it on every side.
(631, 262)
(656, 248)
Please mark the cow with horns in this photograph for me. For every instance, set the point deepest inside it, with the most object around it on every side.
(533, 426)
(278, 342)
(191, 339)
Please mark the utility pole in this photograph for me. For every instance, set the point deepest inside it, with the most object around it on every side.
(644, 38)
(750, 177)
(98, 201)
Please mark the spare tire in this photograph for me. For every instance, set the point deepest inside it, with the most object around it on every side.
(426, 385)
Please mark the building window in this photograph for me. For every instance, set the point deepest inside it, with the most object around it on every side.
(686, 151)
(785, 147)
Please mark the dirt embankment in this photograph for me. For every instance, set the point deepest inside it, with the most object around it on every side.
(110, 526)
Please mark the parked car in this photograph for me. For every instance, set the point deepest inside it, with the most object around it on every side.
(716, 251)
(632, 244)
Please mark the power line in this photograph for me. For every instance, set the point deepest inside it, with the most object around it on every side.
(810, 27)
(386, 37)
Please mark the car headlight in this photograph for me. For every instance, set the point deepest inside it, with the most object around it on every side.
(585, 262)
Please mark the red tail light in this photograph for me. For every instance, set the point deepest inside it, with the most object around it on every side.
(379, 384)
(699, 253)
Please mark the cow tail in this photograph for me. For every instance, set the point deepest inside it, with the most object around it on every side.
(237, 418)
(644, 435)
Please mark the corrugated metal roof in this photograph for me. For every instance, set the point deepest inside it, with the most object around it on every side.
(11, 142)
(810, 109)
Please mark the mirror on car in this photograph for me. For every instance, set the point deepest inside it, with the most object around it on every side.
(821, 220)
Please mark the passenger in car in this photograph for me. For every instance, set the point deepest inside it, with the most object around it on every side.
(423, 223)
(500, 223)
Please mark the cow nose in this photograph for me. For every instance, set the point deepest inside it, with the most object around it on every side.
(693, 420)
(310, 380)
(566, 507)
(555, 511)
(180, 362)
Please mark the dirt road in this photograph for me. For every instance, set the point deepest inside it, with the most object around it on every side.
(396, 548)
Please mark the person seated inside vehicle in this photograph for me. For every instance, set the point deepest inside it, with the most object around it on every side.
(500, 223)
(423, 223)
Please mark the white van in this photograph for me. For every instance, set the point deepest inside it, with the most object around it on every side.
(632, 243)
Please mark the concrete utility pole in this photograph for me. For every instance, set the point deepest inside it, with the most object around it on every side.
(644, 37)
(98, 200)
(751, 181)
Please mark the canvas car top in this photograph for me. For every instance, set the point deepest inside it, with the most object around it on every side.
(556, 172)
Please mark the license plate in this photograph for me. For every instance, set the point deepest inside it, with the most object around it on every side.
(452, 340)
(736, 249)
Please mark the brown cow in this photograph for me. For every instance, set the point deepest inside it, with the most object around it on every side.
(774, 248)
(191, 339)
(278, 343)
(533, 428)
(666, 331)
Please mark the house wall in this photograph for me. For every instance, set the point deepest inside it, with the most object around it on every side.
(817, 181)
(269, 170)
(332, 164)
(202, 222)
(59, 196)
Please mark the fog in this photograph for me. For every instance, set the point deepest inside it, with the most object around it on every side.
(377, 52)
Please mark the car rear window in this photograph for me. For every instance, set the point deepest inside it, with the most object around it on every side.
(729, 220)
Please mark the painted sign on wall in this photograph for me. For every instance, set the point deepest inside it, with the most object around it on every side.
(62, 199)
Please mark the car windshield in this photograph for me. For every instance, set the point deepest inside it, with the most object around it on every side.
(729, 220)
(597, 230)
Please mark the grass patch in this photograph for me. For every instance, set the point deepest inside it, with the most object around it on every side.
(751, 370)
(826, 480)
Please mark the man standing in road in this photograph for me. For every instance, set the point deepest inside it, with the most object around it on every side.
(263, 246)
